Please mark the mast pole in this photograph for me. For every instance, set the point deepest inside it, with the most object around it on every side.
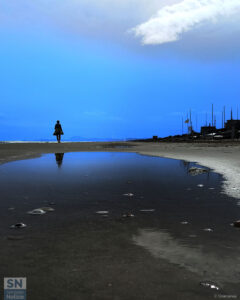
(212, 115)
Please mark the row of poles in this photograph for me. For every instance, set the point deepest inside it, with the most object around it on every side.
(189, 120)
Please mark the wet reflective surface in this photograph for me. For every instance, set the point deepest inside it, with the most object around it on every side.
(59, 159)
(137, 227)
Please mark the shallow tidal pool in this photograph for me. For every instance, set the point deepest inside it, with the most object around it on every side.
(123, 226)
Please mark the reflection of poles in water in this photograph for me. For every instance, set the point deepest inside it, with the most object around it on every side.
(59, 159)
(185, 164)
(208, 176)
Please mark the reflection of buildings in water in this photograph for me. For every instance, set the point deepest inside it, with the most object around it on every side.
(185, 164)
(59, 158)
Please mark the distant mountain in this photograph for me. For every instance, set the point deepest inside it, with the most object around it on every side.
(73, 139)
(84, 139)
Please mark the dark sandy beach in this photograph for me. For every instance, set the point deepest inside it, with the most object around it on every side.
(74, 253)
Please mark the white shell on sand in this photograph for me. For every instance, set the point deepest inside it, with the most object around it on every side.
(208, 229)
(37, 211)
(128, 194)
(19, 225)
(210, 285)
(200, 185)
(102, 212)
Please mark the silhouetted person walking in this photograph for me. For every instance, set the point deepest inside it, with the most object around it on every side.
(58, 131)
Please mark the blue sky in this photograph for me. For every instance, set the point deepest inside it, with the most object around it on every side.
(115, 69)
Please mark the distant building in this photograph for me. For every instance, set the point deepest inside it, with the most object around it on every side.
(234, 127)
(232, 123)
(208, 129)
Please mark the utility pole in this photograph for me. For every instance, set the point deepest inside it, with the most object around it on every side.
(190, 118)
(212, 115)
(224, 110)
(182, 125)
(231, 114)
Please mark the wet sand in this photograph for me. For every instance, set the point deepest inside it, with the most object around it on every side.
(67, 257)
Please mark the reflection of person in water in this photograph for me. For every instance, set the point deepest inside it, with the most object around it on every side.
(58, 131)
(59, 159)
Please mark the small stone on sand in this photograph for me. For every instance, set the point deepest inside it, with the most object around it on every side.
(128, 194)
(19, 225)
(210, 285)
(36, 211)
(236, 223)
(102, 212)
(208, 229)
(128, 215)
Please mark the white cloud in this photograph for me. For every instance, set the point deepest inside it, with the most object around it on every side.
(80, 15)
(172, 21)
